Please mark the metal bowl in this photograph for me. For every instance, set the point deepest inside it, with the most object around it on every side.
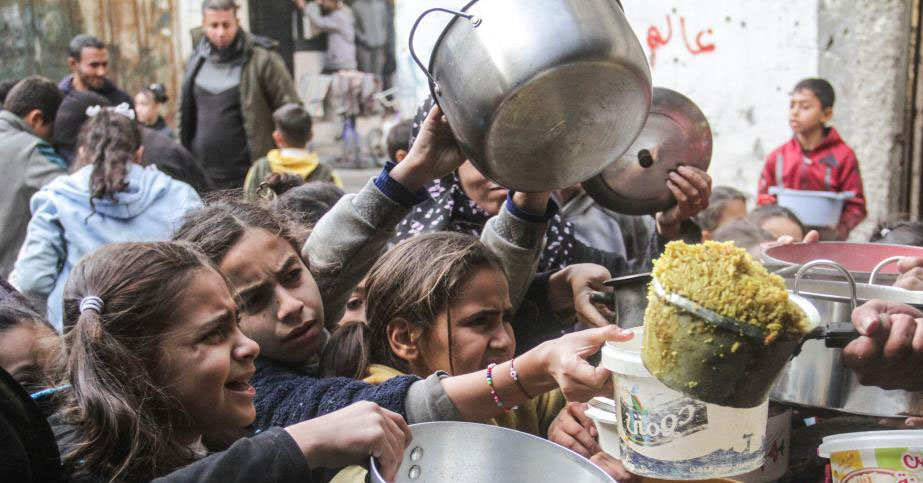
(676, 133)
(477, 453)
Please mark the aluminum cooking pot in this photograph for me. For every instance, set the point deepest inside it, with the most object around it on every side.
(446, 452)
(859, 258)
(817, 378)
(540, 94)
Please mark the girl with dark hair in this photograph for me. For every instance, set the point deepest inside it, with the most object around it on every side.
(110, 197)
(285, 306)
(29, 345)
(440, 302)
(157, 364)
(147, 106)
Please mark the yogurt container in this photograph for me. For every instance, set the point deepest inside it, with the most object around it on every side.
(875, 456)
(665, 434)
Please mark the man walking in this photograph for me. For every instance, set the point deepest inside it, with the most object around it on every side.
(233, 83)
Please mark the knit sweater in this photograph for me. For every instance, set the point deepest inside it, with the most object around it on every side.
(285, 396)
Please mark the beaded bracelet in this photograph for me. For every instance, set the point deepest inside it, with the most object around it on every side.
(493, 392)
(515, 375)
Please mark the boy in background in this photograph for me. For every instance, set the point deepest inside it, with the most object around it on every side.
(816, 158)
(291, 136)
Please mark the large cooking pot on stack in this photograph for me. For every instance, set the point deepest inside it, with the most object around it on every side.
(816, 376)
(540, 94)
(444, 452)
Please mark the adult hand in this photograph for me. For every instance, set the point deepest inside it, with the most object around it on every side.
(570, 289)
(613, 468)
(434, 153)
(575, 431)
(350, 435)
(692, 188)
(889, 351)
(911, 273)
(564, 359)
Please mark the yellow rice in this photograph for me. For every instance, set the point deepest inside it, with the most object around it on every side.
(726, 279)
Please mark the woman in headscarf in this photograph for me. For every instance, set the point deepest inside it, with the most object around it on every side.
(465, 200)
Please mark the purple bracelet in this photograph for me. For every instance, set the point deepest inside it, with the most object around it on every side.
(493, 392)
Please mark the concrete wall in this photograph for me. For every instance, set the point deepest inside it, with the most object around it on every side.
(863, 52)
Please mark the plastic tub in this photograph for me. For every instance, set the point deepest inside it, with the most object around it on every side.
(607, 424)
(665, 434)
(814, 208)
(875, 456)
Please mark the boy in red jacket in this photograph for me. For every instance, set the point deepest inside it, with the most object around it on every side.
(816, 157)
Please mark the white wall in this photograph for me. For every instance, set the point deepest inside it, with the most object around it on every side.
(754, 53)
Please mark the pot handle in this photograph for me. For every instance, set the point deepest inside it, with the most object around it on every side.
(473, 19)
(829, 264)
(884, 263)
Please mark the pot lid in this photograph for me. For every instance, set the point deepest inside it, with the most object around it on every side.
(676, 133)
(858, 258)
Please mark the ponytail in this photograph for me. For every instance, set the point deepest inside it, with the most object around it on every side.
(109, 141)
(348, 351)
(108, 398)
(118, 304)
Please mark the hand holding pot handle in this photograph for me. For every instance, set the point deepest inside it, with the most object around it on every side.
(434, 153)
(889, 352)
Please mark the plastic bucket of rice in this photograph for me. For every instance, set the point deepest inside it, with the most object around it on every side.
(709, 362)
(666, 434)
(875, 456)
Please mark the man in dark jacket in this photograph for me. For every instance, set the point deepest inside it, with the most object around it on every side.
(233, 83)
(89, 63)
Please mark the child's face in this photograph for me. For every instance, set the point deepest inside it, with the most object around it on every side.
(805, 112)
(281, 308)
(27, 352)
(207, 360)
(355, 306)
(484, 192)
(733, 210)
(146, 109)
(480, 324)
(778, 226)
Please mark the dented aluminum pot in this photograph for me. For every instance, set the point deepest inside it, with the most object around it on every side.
(540, 94)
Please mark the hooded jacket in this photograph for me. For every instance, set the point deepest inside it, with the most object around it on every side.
(109, 90)
(27, 163)
(302, 162)
(64, 227)
(265, 85)
(831, 166)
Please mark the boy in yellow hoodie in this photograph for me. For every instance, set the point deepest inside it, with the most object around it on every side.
(293, 132)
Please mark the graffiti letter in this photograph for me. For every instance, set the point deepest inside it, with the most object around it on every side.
(655, 39)
(700, 46)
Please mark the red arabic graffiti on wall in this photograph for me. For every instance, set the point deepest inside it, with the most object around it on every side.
(699, 45)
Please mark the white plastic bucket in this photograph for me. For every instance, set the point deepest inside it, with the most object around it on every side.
(875, 456)
(777, 444)
(814, 208)
(665, 434)
(607, 426)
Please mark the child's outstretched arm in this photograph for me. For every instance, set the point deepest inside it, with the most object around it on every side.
(348, 239)
(557, 363)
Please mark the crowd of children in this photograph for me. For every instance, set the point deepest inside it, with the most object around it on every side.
(286, 331)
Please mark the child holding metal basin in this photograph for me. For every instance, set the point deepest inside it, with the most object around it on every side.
(441, 302)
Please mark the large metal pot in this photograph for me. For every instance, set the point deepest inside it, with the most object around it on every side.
(446, 452)
(817, 378)
(540, 94)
